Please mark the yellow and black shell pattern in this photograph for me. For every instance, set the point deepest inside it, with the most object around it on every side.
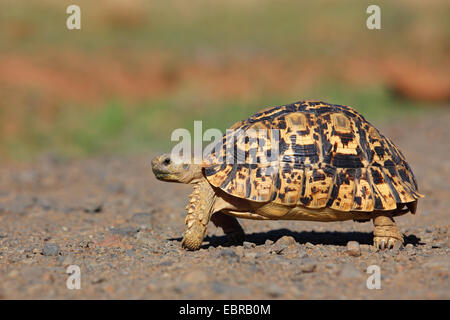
(312, 154)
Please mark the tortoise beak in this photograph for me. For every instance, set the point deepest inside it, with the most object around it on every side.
(161, 175)
(156, 168)
(155, 163)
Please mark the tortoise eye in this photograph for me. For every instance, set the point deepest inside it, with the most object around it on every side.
(186, 166)
(166, 161)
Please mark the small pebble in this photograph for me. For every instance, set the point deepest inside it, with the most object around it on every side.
(309, 245)
(286, 240)
(353, 248)
(248, 245)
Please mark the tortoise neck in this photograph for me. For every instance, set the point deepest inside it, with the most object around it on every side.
(195, 175)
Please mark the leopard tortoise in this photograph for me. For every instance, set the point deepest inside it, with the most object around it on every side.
(330, 165)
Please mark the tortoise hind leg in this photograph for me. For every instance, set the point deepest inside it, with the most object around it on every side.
(385, 233)
(230, 227)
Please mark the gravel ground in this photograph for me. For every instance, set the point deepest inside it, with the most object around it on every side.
(123, 229)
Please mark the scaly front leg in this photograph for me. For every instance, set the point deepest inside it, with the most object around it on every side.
(199, 212)
(386, 233)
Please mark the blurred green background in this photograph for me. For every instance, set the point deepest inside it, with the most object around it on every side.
(137, 70)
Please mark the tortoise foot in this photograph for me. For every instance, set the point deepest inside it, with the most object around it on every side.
(382, 243)
(386, 234)
(194, 236)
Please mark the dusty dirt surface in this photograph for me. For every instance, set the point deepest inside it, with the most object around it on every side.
(123, 228)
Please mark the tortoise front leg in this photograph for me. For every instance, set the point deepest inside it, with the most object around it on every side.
(199, 212)
(230, 226)
(385, 233)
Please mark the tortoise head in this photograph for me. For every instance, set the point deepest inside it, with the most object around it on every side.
(165, 169)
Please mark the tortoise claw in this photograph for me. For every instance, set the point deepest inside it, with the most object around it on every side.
(382, 243)
(391, 243)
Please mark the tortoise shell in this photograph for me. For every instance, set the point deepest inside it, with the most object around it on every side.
(312, 154)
